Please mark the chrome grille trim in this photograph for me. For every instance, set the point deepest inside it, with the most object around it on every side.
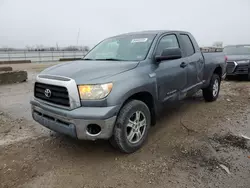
(231, 65)
(66, 82)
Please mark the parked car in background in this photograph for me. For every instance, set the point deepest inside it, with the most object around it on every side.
(238, 60)
(117, 91)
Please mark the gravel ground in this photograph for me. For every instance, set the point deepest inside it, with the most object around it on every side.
(194, 144)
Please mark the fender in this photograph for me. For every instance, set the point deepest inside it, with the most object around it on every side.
(210, 71)
(126, 89)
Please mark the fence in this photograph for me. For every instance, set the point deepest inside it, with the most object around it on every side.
(40, 56)
(211, 49)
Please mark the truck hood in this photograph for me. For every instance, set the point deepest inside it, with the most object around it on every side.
(237, 57)
(86, 70)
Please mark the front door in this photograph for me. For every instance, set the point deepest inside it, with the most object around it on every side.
(171, 77)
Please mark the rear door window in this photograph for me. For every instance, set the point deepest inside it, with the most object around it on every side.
(188, 45)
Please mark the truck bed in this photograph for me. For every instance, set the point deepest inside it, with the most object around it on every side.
(212, 58)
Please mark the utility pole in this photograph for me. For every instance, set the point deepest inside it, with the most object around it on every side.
(78, 37)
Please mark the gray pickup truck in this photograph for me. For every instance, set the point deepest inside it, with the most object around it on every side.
(117, 91)
(238, 60)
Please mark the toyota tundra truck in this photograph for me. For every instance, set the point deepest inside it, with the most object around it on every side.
(117, 91)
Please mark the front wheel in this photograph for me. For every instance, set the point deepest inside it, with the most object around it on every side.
(131, 128)
(211, 93)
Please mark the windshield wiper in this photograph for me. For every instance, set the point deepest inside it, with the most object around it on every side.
(89, 59)
(110, 59)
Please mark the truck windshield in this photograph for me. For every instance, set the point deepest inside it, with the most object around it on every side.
(122, 48)
(237, 50)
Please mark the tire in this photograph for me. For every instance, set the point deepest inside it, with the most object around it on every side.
(229, 78)
(248, 76)
(209, 93)
(124, 129)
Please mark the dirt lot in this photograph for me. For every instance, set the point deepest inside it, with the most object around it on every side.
(194, 144)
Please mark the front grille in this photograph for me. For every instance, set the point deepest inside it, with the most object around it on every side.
(230, 67)
(59, 95)
(242, 69)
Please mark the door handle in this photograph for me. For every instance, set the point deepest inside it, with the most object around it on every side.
(183, 65)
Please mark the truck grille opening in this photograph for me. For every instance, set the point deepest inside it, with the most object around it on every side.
(50, 93)
(51, 118)
(230, 67)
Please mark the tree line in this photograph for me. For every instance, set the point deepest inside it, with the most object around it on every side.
(43, 48)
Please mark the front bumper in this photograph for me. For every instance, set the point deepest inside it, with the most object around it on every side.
(74, 122)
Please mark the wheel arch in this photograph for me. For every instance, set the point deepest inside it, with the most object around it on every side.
(147, 98)
(218, 70)
(212, 70)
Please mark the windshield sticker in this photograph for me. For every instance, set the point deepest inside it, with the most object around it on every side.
(139, 40)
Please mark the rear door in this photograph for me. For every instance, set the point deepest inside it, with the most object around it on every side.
(171, 77)
(195, 62)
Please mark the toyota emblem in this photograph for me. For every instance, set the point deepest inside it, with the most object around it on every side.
(47, 93)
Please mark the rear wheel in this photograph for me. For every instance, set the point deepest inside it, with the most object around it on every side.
(211, 93)
(131, 128)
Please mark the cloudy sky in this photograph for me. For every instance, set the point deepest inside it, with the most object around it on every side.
(47, 22)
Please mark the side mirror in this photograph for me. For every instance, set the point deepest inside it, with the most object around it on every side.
(169, 54)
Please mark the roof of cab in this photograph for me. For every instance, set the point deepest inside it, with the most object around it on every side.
(153, 32)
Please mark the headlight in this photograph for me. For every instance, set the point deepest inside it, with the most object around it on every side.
(94, 92)
(243, 61)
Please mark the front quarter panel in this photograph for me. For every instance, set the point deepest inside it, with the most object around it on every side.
(130, 83)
